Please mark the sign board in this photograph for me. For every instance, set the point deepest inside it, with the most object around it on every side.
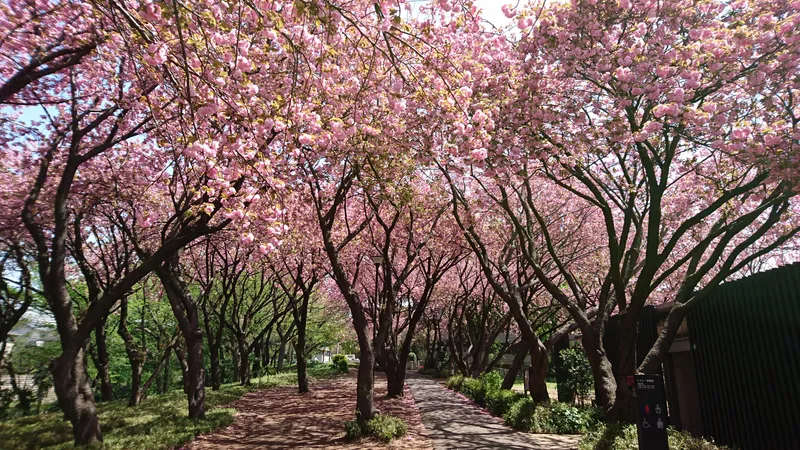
(651, 414)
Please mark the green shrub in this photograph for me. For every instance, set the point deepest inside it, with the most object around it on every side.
(565, 418)
(492, 381)
(340, 363)
(474, 389)
(624, 437)
(520, 414)
(552, 418)
(683, 440)
(353, 429)
(454, 382)
(382, 426)
(499, 401)
(386, 428)
(579, 374)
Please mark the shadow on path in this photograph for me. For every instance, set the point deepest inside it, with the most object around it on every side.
(453, 422)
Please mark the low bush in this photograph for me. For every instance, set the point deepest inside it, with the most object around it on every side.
(383, 427)
(520, 411)
(474, 389)
(520, 414)
(553, 418)
(579, 378)
(353, 429)
(624, 437)
(499, 401)
(340, 363)
(454, 382)
(386, 427)
(566, 418)
(492, 381)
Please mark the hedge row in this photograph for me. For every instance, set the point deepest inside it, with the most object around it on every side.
(520, 411)
(624, 437)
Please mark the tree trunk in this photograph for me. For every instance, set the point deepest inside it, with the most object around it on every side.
(300, 349)
(196, 376)
(164, 388)
(135, 356)
(244, 362)
(624, 407)
(185, 310)
(24, 400)
(537, 379)
(281, 356)
(267, 355)
(106, 393)
(257, 359)
(365, 404)
(184, 369)
(216, 377)
(605, 385)
(513, 370)
(74, 391)
(396, 381)
(136, 381)
(302, 373)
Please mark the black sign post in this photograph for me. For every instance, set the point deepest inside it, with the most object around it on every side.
(651, 416)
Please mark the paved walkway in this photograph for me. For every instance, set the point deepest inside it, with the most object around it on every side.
(453, 422)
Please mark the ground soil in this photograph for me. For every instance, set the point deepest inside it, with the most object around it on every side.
(282, 418)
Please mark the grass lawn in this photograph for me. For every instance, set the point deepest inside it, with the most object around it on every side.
(519, 386)
(160, 422)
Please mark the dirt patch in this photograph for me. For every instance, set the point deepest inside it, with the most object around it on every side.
(282, 418)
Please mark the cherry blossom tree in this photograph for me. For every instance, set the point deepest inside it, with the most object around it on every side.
(676, 124)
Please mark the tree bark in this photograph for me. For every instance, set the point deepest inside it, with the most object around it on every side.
(244, 362)
(185, 310)
(396, 380)
(537, 380)
(281, 355)
(516, 365)
(257, 359)
(196, 374)
(136, 381)
(73, 389)
(165, 382)
(216, 376)
(624, 406)
(135, 357)
(605, 385)
(184, 369)
(300, 349)
(235, 355)
(106, 394)
(365, 404)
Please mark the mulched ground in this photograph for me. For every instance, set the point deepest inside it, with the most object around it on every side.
(281, 418)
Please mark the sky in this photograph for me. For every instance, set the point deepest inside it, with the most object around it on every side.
(493, 13)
